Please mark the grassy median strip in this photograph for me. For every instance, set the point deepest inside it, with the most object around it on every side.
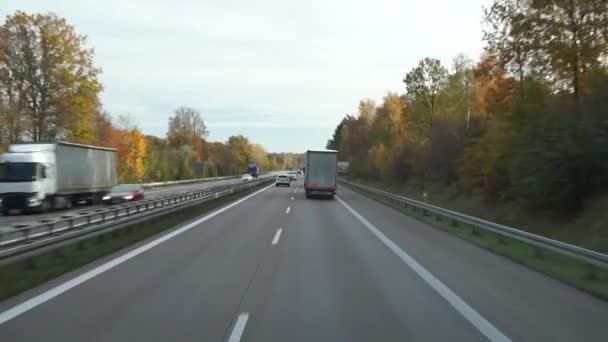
(33, 271)
(589, 278)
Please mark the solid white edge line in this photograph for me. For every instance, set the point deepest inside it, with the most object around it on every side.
(56, 291)
(239, 327)
(277, 236)
(288, 210)
(485, 327)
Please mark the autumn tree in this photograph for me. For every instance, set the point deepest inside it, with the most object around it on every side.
(187, 127)
(47, 79)
(564, 39)
(133, 147)
(241, 152)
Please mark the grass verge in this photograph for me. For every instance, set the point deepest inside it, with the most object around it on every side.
(30, 272)
(583, 276)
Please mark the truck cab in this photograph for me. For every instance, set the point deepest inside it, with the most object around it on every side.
(253, 170)
(26, 177)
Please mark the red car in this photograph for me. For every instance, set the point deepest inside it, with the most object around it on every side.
(124, 193)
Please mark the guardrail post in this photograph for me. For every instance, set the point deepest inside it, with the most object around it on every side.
(51, 226)
(424, 212)
(454, 223)
(89, 220)
(71, 223)
(26, 235)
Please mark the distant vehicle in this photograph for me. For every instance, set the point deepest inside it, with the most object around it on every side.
(246, 178)
(253, 170)
(293, 175)
(343, 168)
(321, 173)
(37, 177)
(124, 193)
(282, 180)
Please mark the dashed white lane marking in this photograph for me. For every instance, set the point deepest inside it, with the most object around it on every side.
(292, 198)
(485, 327)
(288, 210)
(277, 236)
(239, 327)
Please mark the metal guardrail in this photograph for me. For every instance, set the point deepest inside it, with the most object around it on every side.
(187, 181)
(119, 214)
(581, 254)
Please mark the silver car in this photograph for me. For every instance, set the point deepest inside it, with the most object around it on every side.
(282, 180)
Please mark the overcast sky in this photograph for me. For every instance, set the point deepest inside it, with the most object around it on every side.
(281, 72)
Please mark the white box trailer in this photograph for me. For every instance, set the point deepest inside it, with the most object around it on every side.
(42, 176)
(321, 174)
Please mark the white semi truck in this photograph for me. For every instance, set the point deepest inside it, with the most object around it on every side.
(37, 176)
(321, 173)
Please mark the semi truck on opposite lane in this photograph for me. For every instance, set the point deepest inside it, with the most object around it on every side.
(41, 176)
(253, 170)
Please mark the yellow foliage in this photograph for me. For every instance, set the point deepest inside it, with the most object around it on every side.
(133, 146)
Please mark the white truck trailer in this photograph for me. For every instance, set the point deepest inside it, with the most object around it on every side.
(38, 176)
(321, 176)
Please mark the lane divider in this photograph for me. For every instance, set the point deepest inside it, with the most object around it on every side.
(292, 198)
(277, 236)
(56, 291)
(478, 321)
(239, 327)
(288, 210)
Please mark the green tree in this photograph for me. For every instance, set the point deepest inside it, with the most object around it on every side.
(334, 142)
(425, 82)
(187, 127)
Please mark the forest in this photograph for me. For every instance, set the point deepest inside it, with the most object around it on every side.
(527, 122)
(50, 91)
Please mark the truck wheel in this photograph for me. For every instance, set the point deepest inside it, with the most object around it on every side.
(44, 206)
(68, 203)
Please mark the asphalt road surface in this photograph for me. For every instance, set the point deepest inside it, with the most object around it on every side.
(9, 221)
(273, 268)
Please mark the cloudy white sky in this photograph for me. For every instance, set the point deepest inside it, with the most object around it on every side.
(281, 72)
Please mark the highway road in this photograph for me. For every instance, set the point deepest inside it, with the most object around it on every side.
(9, 221)
(278, 267)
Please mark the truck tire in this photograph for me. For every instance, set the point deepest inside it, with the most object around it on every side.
(68, 203)
(44, 206)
